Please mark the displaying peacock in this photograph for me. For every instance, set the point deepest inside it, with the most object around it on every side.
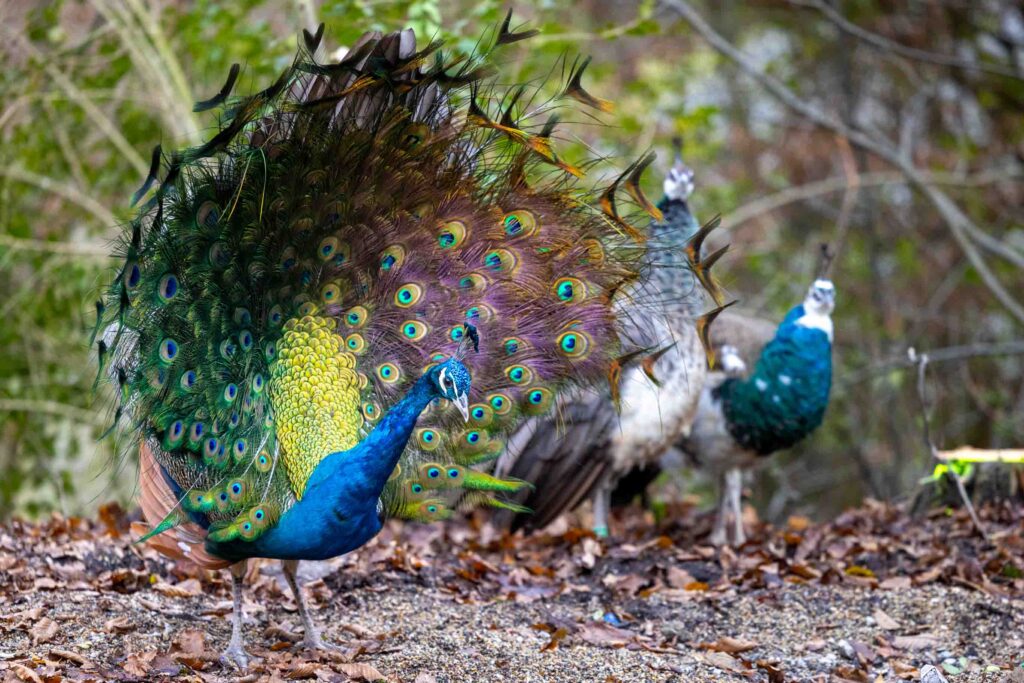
(743, 417)
(360, 248)
(596, 439)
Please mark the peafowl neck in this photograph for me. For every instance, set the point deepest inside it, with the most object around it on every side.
(668, 276)
(361, 472)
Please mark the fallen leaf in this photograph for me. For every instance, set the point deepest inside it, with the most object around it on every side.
(729, 645)
(884, 621)
(190, 588)
(556, 637)
(43, 631)
(26, 674)
(678, 578)
(726, 662)
(359, 671)
(190, 642)
(303, 670)
(604, 634)
(922, 641)
(121, 624)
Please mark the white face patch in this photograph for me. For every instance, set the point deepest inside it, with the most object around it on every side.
(442, 376)
(821, 299)
(816, 321)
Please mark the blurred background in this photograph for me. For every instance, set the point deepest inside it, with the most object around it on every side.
(892, 130)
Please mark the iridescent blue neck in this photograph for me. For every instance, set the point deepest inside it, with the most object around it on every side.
(362, 471)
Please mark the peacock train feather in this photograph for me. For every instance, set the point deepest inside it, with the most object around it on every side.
(298, 293)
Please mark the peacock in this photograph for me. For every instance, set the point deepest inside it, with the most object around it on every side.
(597, 439)
(743, 416)
(358, 249)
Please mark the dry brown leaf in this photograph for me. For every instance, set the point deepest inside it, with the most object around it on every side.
(678, 578)
(71, 657)
(895, 583)
(26, 674)
(302, 670)
(190, 588)
(190, 642)
(138, 664)
(729, 645)
(726, 662)
(604, 635)
(360, 671)
(121, 624)
(922, 641)
(556, 637)
(43, 631)
(884, 621)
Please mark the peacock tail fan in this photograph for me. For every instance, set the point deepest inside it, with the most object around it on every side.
(288, 280)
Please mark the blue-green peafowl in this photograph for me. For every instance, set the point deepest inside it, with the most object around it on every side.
(360, 248)
(743, 418)
(596, 439)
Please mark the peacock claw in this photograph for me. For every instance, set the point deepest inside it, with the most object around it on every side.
(237, 657)
(314, 643)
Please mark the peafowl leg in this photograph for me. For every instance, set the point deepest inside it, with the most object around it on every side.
(719, 535)
(312, 639)
(734, 479)
(236, 654)
(602, 505)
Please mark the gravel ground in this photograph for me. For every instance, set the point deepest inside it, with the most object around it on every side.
(460, 604)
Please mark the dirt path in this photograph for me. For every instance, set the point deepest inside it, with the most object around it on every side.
(455, 604)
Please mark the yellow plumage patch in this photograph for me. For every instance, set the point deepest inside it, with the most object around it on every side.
(314, 391)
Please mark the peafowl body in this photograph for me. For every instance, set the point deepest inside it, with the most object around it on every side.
(593, 442)
(743, 416)
(303, 299)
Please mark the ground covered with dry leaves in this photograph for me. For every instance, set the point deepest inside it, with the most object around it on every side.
(872, 596)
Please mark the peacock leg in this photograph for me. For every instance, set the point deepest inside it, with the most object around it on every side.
(602, 504)
(311, 640)
(236, 654)
(735, 485)
(719, 536)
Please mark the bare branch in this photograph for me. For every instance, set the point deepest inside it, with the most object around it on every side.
(921, 361)
(68, 192)
(960, 225)
(943, 355)
(92, 250)
(887, 45)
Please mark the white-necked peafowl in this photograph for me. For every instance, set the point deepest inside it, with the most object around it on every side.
(360, 246)
(743, 417)
(594, 440)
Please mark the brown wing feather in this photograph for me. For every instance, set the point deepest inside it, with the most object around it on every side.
(184, 542)
(565, 460)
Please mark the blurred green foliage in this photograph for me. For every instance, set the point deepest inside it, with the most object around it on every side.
(89, 87)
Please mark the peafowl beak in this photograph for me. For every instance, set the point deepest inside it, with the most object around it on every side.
(461, 402)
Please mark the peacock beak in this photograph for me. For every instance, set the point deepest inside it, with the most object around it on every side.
(461, 402)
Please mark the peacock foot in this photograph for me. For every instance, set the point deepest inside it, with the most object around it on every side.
(237, 657)
(312, 641)
(719, 537)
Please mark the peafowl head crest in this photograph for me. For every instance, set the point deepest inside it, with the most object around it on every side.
(452, 378)
(821, 298)
(452, 381)
(678, 183)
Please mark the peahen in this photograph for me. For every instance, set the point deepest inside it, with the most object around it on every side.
(743, 417)
(594, 440)
(360, 247)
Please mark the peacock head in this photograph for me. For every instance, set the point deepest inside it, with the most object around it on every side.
(678, 184)
(451, 380)
(821, 298)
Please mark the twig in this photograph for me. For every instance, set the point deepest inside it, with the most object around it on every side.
(960, 225)
(949, 353)
(888, 45)
(68, 192)
(921, 360)
(93, 250)
(26, 405)
(756, 208)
